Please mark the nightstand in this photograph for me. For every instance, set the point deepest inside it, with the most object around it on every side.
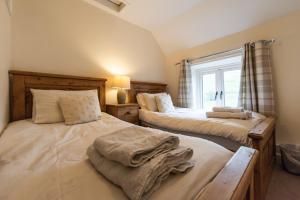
(127, 112)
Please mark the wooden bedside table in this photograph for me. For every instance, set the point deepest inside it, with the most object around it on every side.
(127, 112)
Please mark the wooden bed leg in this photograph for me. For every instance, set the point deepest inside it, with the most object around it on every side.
(258, 181)
(250, 192)
(274, 145)
(263, 169)
(263, 140)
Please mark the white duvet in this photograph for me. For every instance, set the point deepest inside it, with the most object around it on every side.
(49, 162)
(195, 121)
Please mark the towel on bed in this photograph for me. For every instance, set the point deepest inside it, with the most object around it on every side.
(230, 115)
(228, 109)
(140, 182)
(133, 146)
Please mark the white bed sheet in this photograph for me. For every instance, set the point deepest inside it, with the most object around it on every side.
(47, 162)
(195, 121)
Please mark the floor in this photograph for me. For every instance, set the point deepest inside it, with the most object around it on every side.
(283, 186)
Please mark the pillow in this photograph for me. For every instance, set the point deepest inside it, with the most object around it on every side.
(141, 101)
(150, 101)
(80, 109)
(164, 103)
(45, 104)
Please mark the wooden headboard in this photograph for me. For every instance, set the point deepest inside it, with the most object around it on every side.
(144, 87)
(21, 82)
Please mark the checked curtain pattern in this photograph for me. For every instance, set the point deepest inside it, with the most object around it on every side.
(256, 89)
(184, 96)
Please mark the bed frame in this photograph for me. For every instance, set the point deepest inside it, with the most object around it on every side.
(21, 82)
(234, 181)
(262, 138)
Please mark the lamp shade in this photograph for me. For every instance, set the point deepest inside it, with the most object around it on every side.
(122, 82)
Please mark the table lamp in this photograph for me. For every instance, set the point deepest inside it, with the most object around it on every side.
(121, 83)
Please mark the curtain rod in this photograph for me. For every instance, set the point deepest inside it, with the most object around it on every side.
(227, 51)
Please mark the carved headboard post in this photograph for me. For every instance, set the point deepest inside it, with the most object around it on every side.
(20, 83)
(145, 87)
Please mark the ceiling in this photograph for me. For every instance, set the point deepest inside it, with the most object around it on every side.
(181, 24)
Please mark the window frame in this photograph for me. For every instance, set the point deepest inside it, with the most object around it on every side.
(198, 71)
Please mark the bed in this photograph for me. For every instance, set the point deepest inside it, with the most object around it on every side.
(49, 161)
(260, 133)
(229, 133)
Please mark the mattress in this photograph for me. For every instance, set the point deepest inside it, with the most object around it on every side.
(229, 144)
(195, 121)
(49, 161)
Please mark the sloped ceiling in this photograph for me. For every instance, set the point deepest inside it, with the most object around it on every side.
(181, 24)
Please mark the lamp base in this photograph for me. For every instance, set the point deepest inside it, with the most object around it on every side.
(121, 96)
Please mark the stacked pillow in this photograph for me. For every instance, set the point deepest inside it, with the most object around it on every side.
(75, 107)
(161, 102)
(80, 109)
(71, 107)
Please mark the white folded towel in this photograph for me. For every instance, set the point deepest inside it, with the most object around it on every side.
(230, 115)
(134, 146)
(228, 109)
(140, 182)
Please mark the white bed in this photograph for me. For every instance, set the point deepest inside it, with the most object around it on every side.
(195, 121)
(258, 134)
(49, 161)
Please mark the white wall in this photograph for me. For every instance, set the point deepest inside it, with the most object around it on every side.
(286, 65)
(5, 61)
(76, 38)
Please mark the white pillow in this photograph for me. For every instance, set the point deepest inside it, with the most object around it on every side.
(45, 104)
(77, 110)
(150, 101)
(164, 103)
(141, 101)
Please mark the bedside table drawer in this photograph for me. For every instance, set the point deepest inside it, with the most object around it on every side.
(125, 112)
(129, 114)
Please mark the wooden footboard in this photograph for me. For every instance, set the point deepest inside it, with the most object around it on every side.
(236, 180)
(263, 140)
(262, 136)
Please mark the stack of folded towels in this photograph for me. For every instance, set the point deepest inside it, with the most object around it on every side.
(229, 113)
(138, 159)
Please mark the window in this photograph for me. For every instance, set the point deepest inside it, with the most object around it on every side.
(116, 5)
(216, 82)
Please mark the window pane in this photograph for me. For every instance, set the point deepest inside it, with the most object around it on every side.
(218, 73)
(209, 91)
(231, 86)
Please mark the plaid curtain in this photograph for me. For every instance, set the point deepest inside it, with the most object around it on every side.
(184, 97)
(256, 89)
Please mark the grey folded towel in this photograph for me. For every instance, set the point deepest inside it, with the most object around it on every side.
(228, 109)
(229, 115)
(134, 146)
(140, 182)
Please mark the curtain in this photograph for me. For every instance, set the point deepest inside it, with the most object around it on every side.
(256, 89)
(184, 97)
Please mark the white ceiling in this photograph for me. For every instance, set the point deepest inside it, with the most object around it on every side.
(180, 24)
(151, 14)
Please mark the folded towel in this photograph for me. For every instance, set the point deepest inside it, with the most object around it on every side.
(133, 146)
(228, 109)
(227, 115)
(140, 182)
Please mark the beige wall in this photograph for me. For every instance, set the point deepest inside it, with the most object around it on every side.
(76, 38)
(5, 61)
(50, 37)
(286, 61)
